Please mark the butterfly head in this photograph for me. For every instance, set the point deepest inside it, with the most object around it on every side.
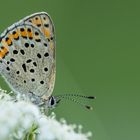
(53, 102)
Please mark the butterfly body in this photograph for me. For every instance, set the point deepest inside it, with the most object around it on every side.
(27, 56)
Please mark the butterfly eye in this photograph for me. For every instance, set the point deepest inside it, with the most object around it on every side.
(52, 102)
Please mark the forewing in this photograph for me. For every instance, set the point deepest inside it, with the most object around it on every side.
(27, 57)
(43, 22)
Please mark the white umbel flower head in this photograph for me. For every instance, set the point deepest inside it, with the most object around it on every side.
(23, 121)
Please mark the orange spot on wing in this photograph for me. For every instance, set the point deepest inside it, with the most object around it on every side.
(30, 34)
(3, 52)
(24, 34)
(37, 21)
(15, 35)
(8, 41)
(47, 33)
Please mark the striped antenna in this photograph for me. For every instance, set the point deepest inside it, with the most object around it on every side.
(77, 95)
(68, 97)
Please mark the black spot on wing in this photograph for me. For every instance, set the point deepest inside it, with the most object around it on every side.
(38, 40)
(45, 69)
(38, 25)
(41, 82)
(12, 60)
(22, 52)
(8, 69)
(28, 61)
(24, 67)
(15, 52)
(32, 70)
(32, 79)
(26, 45)
(46, 54)
(29, 30)
(45, 44)
(39, 55)
(46, 25)
(35, 64)
(32, 45)
(17, 72)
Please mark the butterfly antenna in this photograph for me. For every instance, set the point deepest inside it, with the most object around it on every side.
(77, 95)
(75, 101)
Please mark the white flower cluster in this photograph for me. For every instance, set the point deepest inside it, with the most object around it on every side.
(23, 121)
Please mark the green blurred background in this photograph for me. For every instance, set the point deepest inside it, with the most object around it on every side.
(98, 53)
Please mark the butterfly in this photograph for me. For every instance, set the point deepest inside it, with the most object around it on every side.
(28, 59)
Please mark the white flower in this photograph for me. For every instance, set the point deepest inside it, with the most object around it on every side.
(23, 120)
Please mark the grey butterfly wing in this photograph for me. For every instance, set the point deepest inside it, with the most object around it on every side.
(43, 22)
(27, 58)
